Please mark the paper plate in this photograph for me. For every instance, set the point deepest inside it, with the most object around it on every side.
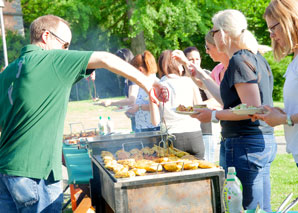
(121, 109)
(249, 111)
(186, 112)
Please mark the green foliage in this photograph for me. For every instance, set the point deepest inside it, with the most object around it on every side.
(170, 24)
(254, 10)
(278, 70)
(14, 44)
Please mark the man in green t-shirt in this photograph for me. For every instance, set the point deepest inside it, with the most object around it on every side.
(34, 92)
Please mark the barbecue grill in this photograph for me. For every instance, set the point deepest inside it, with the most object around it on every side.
(184, 191)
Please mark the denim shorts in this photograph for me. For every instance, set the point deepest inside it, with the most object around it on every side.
(28, 195)
(252, 156)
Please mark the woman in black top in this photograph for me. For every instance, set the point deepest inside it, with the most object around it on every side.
(248, 146)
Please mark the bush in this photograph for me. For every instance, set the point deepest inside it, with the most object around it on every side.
(278, 70)
(14, 44)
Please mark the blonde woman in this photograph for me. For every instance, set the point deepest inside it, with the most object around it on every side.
(219, 70)
(248, 146)
(282, 21)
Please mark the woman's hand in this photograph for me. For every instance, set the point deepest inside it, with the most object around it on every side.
(134, 108)
(179, 56)
(274, 117)
(204, 115)
(105, 103)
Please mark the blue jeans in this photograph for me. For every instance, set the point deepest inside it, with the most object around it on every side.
(252, 156)
(29, 195)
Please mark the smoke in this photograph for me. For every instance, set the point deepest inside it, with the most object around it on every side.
(107, 83)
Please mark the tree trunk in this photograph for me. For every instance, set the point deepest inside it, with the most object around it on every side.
(137, 45)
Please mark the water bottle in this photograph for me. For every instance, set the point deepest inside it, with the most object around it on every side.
(232, 192)
(101, 126)
(110, 126)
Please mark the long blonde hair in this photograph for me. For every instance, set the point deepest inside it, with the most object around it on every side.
(233, 23)
(286, 13)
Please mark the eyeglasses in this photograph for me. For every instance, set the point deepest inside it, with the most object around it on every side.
(272, 28)
(206, 47)
(65, 43)
(213, 32)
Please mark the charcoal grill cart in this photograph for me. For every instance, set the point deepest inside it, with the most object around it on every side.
(184, 191)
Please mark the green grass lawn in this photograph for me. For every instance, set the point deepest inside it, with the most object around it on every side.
(284, 179)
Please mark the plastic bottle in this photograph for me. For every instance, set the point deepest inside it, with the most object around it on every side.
(232, 192)
(110, 126)
(101, 126)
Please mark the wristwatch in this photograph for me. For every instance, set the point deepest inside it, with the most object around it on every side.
(289, 121)
(213, 117)
(140, 107)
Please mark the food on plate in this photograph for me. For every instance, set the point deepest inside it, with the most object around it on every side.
(183, 108)
(244, 109)
(200, 106)
(244, 106)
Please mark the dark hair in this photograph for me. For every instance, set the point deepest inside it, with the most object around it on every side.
(48, 22)
(146, 61)
(125, 54)
(166, 64)
(190, 49)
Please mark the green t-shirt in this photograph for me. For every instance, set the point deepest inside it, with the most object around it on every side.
(34, 92)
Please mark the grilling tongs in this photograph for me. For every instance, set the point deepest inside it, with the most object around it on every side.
(283, 208)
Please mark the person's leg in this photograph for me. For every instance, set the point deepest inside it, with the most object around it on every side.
(250, 156)
(207, 145)
(194, 144)
(133, 124)
(270, 145)
(222, 155)
(52, 198)
(33, 195)
(6, 201)
(179, 141)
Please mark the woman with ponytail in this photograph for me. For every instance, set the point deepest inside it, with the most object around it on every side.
(146, 63)
(248, 146)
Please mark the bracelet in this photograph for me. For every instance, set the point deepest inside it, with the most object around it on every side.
(213, 117)
(289, 121)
